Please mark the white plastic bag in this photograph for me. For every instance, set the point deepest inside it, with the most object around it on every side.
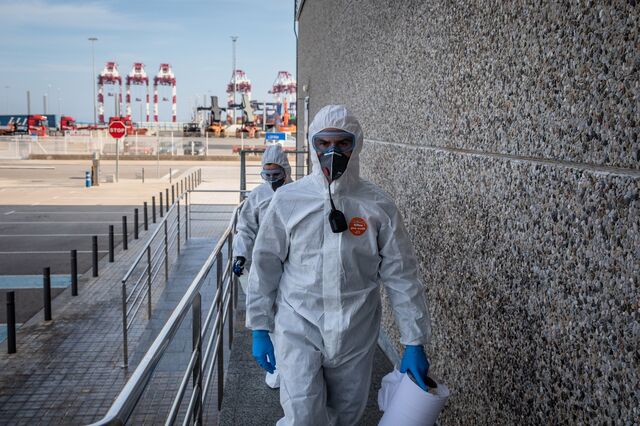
(405, 403)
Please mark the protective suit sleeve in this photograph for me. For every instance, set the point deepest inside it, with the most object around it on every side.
(269, 253)
(399, 275)
(246, 229)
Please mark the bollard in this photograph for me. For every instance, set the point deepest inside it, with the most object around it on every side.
(161, 205)
(94, 254)
(181, 186)
(166, 193)
(153, 209)
(46, 293)
(74, 272)
(111, 244)
(125, 235)
(173, 194)
(146, 217)
(87, 179)
(143, 175)
(11, 322)
(135, 224)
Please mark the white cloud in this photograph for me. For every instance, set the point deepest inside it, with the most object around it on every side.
(93, 16)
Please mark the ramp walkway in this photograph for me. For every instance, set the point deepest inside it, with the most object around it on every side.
(70, 370)
(248, 401)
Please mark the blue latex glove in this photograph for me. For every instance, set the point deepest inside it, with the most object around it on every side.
(263, 350)
(238, 265)
(415, 361)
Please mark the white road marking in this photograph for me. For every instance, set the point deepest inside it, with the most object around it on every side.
(8, 213)
(51, 235)
(66, 212)
(49, 252)
(39, 222)
(173, 172)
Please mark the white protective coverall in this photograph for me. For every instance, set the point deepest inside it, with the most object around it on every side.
(318, 291)
(256, 206)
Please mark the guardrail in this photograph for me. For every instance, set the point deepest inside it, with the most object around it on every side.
(207, 354)
(146, 267)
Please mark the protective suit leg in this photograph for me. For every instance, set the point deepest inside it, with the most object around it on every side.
(303, 394)
(348, 387)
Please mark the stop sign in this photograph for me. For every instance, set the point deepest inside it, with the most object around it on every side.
(117, 129)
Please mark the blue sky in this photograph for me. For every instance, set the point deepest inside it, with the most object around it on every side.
(44, 43)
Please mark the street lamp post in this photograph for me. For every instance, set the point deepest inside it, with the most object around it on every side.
(93, 73)
(47, 106)
(59, 103)
(6, 97)
(233, 40)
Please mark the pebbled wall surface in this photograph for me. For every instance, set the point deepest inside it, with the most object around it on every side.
(507, 132)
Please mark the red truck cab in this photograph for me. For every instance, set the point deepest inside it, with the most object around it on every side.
(67, 123)
(38, 125)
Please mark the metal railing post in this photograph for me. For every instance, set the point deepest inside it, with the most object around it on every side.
(178, 233)
(149, 281)
(166, 192)
(243, 174)
(173, 194)
(125, 348)
(146, 217)
(125, 234)
(166, 253)
(219, 347)
(196, 332)
(11, 322)
(188, 215)
(231, 286)
(46, 292)
(94, 253)
(161, 205)
(74, 272)
(153, 209)
(111, 244)
(135, 224)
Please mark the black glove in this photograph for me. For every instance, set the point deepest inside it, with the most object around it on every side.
(238, 265)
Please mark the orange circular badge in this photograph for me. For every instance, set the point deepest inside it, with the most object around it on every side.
(357, 226)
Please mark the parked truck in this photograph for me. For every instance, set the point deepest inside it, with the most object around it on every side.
(37, 125)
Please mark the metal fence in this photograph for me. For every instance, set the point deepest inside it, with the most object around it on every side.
(143, 273)
(22, 146)
(207, 354)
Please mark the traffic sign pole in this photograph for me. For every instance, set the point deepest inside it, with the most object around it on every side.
(117, 130)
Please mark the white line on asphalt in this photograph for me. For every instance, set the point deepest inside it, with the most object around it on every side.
(65, 212)
(8, 213)
(28, 167)
(51, 235)
(39, 222)
(50, 252)
(35, 204)
(173, 172)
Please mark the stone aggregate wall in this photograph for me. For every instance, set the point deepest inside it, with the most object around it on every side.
(507, 132)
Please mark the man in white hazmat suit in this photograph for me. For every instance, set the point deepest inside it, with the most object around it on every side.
(318, 261)
(276, 172)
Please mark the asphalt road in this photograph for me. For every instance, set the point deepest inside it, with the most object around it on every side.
(34, 237)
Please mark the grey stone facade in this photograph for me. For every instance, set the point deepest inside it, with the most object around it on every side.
(507, 132)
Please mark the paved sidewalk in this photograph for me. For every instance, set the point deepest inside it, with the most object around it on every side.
(68, 371)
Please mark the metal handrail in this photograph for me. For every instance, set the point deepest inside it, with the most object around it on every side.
(221, 308)
(170, 231)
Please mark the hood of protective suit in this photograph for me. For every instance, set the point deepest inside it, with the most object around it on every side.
(274, 154)
(337, 117)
